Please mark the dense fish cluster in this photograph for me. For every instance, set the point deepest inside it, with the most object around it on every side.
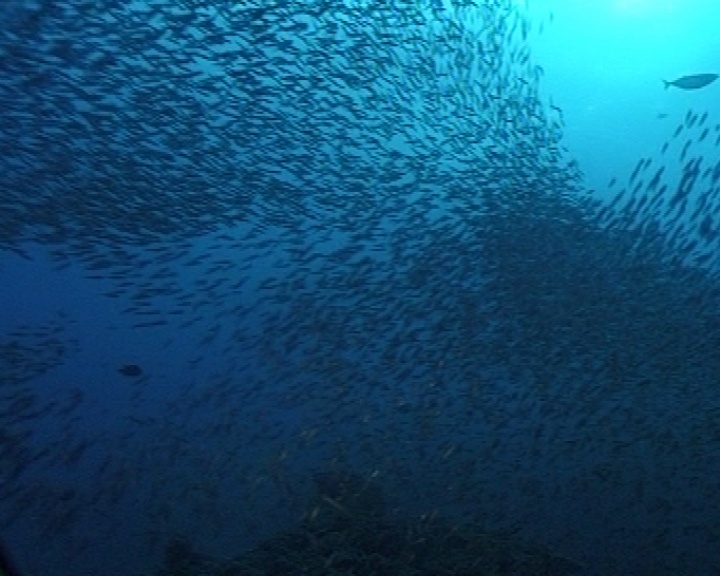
(672, 199)
(127, 124)
(28, 351)
(353, 240)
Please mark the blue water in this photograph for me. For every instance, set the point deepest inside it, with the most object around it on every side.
(370, 239)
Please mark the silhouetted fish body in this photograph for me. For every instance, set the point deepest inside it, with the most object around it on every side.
(692, 82)
(131, 370)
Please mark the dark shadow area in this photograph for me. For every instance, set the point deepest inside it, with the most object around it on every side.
(348, 531)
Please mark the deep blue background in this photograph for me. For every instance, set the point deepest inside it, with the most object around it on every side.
(318, 268)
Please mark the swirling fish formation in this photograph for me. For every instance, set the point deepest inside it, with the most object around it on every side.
(365, 210)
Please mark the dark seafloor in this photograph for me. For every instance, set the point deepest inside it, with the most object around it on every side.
(342, 239)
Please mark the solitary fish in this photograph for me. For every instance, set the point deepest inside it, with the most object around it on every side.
(692, 82)
(131, 370)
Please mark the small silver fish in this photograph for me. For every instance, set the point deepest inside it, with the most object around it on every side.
(692, 82)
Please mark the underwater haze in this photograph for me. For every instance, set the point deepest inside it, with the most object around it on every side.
(262, 260)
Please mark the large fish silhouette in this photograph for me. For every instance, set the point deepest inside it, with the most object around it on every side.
(692, 82)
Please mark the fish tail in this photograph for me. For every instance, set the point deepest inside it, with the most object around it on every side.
(667, 84)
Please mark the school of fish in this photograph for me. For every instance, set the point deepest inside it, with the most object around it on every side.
(356, 225)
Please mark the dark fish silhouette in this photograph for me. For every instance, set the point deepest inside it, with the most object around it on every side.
(692, 82)
(131, 370)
